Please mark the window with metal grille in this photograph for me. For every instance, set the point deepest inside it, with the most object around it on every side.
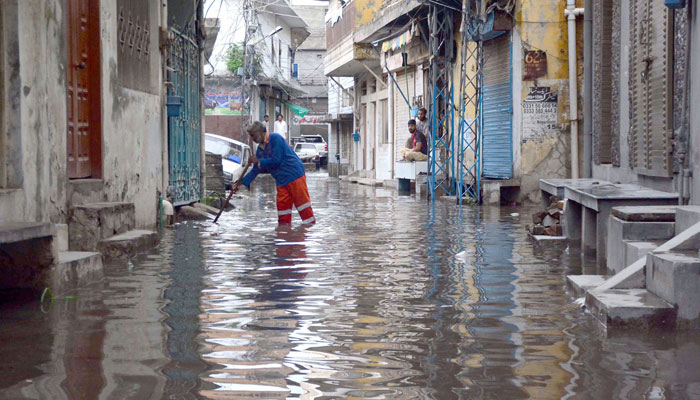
(650, 78)
(134, 44)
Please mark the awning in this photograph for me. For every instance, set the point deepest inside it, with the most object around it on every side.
(298, 110)
(398, 42)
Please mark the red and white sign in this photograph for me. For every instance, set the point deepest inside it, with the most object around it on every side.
(308, 119)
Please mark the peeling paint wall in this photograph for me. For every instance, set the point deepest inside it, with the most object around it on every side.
(367, 11)
(132, 127)
(35, 111)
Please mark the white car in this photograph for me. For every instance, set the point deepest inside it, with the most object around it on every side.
(320, 144)
(234, 155)
(307, 152)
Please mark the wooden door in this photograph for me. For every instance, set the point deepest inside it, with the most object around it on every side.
(83, 102)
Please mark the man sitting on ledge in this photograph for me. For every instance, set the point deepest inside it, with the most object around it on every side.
(419, 152)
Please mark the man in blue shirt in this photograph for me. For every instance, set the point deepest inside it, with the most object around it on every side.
(274, 156)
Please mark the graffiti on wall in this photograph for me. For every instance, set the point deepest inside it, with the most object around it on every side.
(540, 113)
(223, 100)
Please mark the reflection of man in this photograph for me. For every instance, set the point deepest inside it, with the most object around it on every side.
(419, 149)
(275, 157)
(281, 126)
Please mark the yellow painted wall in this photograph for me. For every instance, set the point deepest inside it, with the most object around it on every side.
(367, 11)
(542, 25)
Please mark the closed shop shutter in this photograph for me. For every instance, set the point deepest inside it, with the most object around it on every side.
(651, 93)
(402, 114)
(497, 153)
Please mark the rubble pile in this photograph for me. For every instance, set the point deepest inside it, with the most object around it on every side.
(547, 222)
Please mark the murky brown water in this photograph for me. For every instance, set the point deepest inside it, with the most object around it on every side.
(386, 297)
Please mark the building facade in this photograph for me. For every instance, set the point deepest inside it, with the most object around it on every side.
(524, 97)
(643, 89)
(84, 87)
(270, 82)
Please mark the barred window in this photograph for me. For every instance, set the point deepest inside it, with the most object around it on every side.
(134, 43)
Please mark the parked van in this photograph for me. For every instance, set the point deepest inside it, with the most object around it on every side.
(234, 155)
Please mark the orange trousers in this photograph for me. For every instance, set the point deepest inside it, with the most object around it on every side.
(294, 194)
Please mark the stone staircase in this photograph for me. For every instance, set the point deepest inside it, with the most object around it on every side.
(108, 228)
(655, 265)
(38, 255)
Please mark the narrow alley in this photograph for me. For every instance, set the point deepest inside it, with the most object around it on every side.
(386, 297)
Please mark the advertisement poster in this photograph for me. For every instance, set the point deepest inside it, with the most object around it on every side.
(540, 114)
(222, 100)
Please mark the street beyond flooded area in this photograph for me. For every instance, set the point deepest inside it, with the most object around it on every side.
(386, 297)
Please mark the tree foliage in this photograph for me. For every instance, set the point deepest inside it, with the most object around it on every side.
(234, 58)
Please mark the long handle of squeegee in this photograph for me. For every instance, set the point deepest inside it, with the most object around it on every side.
(234, 189)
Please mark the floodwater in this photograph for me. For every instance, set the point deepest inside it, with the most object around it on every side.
(387, 297)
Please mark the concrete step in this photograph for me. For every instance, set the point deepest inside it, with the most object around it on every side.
(636, 309)
(91, 223)
(675, 277)
(687, 216)
(128, 244)
(635, 250)
(191, 213)
(645, 213)
(688, 236)
(369, 182)
(76, 269)
(620, 231)
(580, 284)
(27, 254)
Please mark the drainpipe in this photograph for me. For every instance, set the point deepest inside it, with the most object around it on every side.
(571, 13)
(588, 90)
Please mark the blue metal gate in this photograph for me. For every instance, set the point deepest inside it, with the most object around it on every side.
(497, 150)
(184, 127)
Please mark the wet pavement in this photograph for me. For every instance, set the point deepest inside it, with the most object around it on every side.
(387, 297)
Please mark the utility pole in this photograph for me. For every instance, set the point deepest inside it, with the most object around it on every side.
(247, 66)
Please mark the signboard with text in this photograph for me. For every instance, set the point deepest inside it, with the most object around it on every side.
(535, 65)
(540, 114)
(310, 119)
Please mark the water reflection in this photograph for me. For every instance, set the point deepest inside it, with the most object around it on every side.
(387, 297)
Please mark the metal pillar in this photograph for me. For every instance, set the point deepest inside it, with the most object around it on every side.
(454, 164)
(441, 158)
(471, 81)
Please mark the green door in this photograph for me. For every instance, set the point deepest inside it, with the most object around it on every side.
(184, 129)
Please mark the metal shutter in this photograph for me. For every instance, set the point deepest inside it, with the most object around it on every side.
(651, 75)
(497, 155)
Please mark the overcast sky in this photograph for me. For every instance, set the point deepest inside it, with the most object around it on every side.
(231, 29)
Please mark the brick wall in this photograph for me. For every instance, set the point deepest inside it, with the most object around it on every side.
(228, 126)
